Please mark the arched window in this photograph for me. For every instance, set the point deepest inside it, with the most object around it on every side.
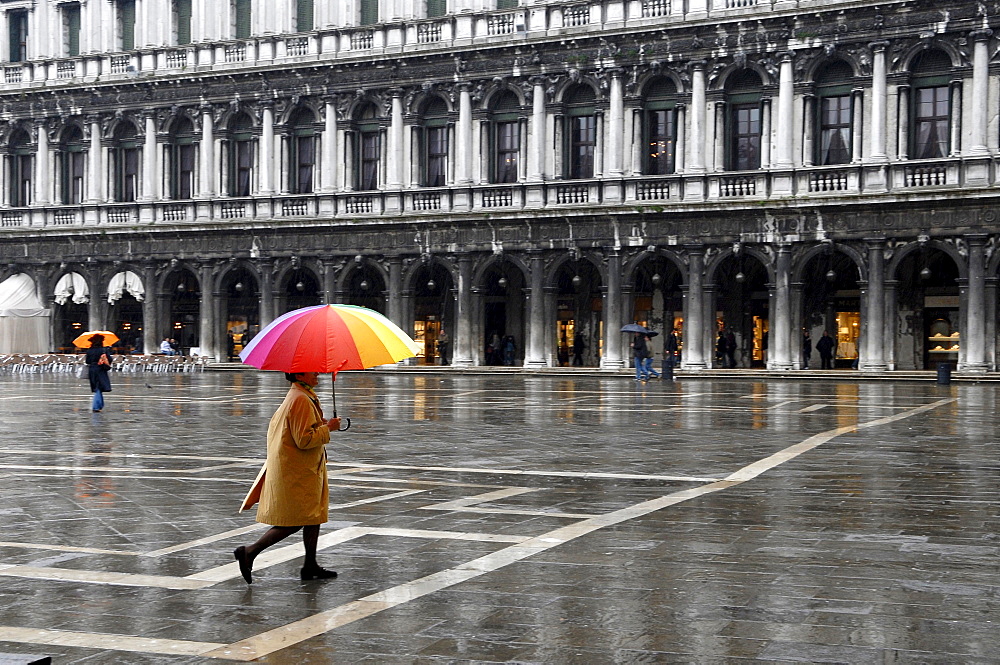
(581, 131)
(930, 108)
(19, 167)
(125, 162)
(181, 159)
(505, 137)
(240, 155)
(72, 162)
(435, 143)
(367, 148)
(834, 113)
(660, 127)
(301, 152)
(743, 96)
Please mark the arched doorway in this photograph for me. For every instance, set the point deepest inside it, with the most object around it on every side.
(831, 301)
(71, 311)
(502, 330)
(928, 311)
(658, 301)
(300, 288)
(433, 313)
(125, 294)
(241, 303)
(741, 312)
(579, 309)
(183, 323)
(365, 287)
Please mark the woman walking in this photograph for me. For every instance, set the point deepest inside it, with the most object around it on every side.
(295, 494)
(98, 360)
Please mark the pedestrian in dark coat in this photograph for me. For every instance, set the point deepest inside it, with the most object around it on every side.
(639, 356)
(825, 346)
(671, 347)
(807, 349)
(97, 373)
(720, 348)
(731, 349)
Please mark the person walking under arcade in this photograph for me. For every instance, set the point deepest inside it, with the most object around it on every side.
(825, 346)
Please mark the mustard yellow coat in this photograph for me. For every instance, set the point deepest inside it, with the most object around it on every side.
(295, 490)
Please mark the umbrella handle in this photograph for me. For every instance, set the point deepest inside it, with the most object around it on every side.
(344, 429)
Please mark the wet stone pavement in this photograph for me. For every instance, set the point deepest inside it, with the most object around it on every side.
(512, 519)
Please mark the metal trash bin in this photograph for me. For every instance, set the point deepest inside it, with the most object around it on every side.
(668, 370)
(944, 374)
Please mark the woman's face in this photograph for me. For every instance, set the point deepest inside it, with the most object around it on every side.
(311, 379)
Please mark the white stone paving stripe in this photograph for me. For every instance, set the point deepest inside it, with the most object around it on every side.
(204, 541)
(375, 499)
(66, 548)
(104, 577)
(68, 638)
(279, 638)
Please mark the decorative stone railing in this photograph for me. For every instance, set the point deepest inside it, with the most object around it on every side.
(446, 33)
(861, 182)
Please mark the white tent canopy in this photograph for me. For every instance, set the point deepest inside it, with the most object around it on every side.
(24, 323)
(122, 282)
(72, 285)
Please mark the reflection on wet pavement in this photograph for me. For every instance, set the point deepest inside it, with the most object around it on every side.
(508, 519)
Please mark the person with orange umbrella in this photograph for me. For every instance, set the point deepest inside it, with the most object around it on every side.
(98, 361)
(292, 486)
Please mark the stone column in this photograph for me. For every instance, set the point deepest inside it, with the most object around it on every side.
(902, 121)
(694, 323)
(267, 150)
(680, 150)
(616, 126)
(973, 338)
(536, 156)
(612, 358)
(266, 311)
(329, 157)
(957, 90)
(150, 175)
(43, 175)
(207, 150)
(150, 313)
(535, 355)
(463, 355)
(858, 106)
(891, 319)
(395, 161)
(873, 328)
(97, 176)
(877, 127)
(395, 303)
(696, 150)
(207, 313)
(463, 151)
(980, 92)
(779, 350)
(808, 130)
(786, 121)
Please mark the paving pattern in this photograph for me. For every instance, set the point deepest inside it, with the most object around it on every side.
(513, 519)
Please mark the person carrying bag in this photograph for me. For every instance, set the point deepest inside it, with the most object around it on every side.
(98, 361)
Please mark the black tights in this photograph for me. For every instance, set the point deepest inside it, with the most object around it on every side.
(310, 538)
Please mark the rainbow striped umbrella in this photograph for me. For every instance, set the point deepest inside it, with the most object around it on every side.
(328, 338)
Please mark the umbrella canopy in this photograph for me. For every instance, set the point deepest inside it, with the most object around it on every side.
(83, 340)
(634, 328)
(328, 338)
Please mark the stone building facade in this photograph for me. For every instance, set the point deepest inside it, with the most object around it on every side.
(537, 169)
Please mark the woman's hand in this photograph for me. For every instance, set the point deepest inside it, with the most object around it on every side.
(333, 424)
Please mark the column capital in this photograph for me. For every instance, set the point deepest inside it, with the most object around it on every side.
(980, 35)
(878, 46)
(976, 238)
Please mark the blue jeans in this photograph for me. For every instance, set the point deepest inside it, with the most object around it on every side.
(640, 369)
(649, 369)
(98, 402)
